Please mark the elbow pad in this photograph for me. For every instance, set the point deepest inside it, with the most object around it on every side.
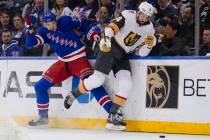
(109, 32)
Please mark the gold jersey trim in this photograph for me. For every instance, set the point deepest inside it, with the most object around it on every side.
(114, 27)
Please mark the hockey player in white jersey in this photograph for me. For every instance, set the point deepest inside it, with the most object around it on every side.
(131, 30)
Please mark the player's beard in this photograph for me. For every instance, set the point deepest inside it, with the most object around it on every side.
(140, 22)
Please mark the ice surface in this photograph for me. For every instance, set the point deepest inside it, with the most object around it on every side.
(79, 134)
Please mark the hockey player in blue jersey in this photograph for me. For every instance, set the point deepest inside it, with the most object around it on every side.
(72, 59)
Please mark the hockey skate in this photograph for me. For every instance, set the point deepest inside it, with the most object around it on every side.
(69, 100)
(41, 122)
(115, 121)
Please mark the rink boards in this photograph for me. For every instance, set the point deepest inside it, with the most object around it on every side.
(168, 95)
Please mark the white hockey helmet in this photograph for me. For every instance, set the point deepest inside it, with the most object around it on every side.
(146, 8)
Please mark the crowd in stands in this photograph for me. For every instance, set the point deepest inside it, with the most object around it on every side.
(174, 23)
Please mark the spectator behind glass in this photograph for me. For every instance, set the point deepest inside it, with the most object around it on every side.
(74, 3)
(4, 19)
(18, 31)
(153, 2)
(13, 6)
(183, 3)
(9, 47)
(205, 47)
(133, 4)
(36, 8)
(128, 5)
(170, 44)
(103, 16)
(87, 11)
(165, 8)
(61, 9)
(110, 5)
(187, 29)
(205, 14)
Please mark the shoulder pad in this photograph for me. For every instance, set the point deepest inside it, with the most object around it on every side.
(128, 12)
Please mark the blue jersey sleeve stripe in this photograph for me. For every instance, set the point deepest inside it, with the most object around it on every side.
(40, 39)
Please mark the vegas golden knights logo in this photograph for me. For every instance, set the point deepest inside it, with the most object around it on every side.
(131, 39)
(162, 86)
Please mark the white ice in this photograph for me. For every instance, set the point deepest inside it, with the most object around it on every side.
(82, 134)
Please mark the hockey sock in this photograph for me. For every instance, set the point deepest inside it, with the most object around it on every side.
(42, 96)
(102, 97)
(99, 93)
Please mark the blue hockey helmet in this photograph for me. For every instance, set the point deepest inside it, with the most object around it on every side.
(49, 17)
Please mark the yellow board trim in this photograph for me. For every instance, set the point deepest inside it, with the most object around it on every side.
(132, 125)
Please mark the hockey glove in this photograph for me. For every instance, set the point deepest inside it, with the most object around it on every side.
(94, 34)
(77, 12)
(105, 44)
(30, 22)
(150, 41)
